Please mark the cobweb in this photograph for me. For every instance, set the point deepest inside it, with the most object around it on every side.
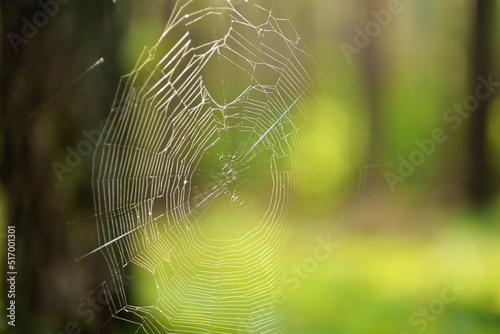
(193, 178)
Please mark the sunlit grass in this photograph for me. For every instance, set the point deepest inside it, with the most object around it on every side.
(374, 283)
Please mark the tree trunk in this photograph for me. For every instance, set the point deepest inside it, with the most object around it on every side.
(372, 65)
(478, 188)
(37, 104)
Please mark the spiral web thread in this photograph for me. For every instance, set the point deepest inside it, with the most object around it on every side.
(193, 175)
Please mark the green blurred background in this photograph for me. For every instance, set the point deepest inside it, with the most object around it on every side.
(402, 243)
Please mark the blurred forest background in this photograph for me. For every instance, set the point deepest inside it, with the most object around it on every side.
(407, 235)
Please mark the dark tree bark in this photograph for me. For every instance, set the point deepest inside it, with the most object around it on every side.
(478, 185)
(32, 73)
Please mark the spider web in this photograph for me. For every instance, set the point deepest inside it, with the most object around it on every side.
(193, 177)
